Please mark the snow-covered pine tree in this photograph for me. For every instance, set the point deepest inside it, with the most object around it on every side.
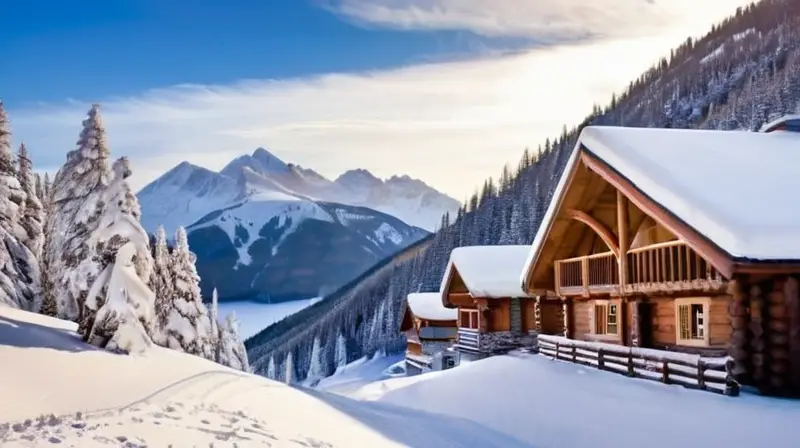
(19, 270)
(188, 325)
(271, 373)
(288, 369)
(75, 207)
(46, 191)
(118, 225)
(33, 216)
(232, 351)
(121, 319)
(163, 284)
(216, 331)
(38, 186)
(341, 351)
(316, 372)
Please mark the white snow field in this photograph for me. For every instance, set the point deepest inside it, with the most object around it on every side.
(254, 316)
(363, 371)
(57, 391)
(556, 404)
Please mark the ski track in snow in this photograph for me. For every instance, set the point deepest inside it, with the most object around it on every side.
(164, 411)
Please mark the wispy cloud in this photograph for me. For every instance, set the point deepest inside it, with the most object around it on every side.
(537, 19)
(451, 124)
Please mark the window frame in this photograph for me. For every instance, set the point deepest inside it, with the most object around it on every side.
(473, 314)
(606, 304)
(689, 301)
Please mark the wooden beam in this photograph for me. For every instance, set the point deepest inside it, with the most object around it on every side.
(601, 230)
(708, 250)
(622, 232)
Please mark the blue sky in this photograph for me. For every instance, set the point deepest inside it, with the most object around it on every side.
(392, 86)
(141, 44)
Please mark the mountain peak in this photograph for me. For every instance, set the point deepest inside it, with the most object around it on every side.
(261, 161)
(358, 177)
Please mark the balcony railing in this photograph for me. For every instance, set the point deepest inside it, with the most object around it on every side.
(469, 339)
(670, 265)
(596, 273)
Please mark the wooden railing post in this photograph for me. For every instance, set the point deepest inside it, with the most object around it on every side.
(622, 233)
(665, 371)
(601, 362)
(701, 374)
(585, 276)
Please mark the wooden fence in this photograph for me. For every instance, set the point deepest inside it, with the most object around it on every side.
(692, 371)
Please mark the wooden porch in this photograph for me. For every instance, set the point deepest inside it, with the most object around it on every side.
(663, 267)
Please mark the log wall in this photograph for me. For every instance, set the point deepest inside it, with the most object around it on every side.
(765, 332)
(662, 312)
(499, 315)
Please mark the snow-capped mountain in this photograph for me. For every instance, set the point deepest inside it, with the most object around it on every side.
(188, 192)
(265, 229)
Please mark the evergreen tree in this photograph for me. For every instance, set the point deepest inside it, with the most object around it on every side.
(341, 352)
(288, 369)
(123, 313)
(216, 331)
(118, 225)
(188, 326)
(75, 209)
(162, 283)
(33, 216)
(19, 270)
(38, 186)
(316, 372)
(231, 347)
(46, 190)
(271, 374)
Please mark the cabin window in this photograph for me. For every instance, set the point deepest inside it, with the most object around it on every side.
(606, 317)
(468, 319)
(691, 321)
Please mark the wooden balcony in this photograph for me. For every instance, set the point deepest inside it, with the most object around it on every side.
(664, 267)
(593, 274)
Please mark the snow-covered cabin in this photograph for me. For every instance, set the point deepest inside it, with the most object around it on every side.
(495, 314)
(679, 240)
(430, 329)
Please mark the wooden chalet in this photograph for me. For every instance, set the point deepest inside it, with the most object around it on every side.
(430, 329)
(494, 314)
(685, 242)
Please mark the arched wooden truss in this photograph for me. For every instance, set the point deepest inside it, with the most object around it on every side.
(602, 231)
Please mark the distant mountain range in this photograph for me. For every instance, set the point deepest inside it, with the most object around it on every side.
(264, 229)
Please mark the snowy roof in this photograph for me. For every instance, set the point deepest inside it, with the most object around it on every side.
(488, 271)
(736, 188)
(792, 123)
(428, 306)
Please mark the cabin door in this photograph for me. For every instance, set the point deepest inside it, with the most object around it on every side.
(646, 324)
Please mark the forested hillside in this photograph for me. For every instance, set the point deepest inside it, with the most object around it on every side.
(742, 74)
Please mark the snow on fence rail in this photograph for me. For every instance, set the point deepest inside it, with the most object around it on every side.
(692, 371)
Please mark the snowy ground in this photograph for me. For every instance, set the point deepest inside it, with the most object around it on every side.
(558, 404)
(362, 372)
(254, 317)
(56, 391)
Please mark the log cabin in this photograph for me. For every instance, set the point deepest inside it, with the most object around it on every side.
(494, 314)
(430, 330)
(682, 241)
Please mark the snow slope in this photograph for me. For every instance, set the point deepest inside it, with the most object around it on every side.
(558, 404)
(58, 391)
(255, 316)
